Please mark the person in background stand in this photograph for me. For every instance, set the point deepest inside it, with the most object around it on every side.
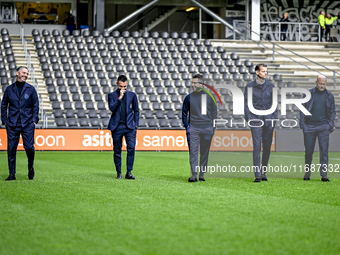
(284, 26)
(70, 22)
(321, 21)
(20, 114)
(329, 23)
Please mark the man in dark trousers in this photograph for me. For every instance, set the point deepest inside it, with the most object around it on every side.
(199, 126)
(124, 122)
(318, 125)
(20, 114)
(262, 127)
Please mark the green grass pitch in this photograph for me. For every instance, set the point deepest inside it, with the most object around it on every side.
(76, 206)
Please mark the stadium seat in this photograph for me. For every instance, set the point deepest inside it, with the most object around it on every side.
(60, 122)
(152, 123)
(175, 123)
(58, 113)
(163, 123)
(83, 122)
(69, 113)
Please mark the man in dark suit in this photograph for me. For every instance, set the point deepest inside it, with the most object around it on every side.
(262, 129)
(124, 122)
(199, 126)
(20, 114)
(318, 125)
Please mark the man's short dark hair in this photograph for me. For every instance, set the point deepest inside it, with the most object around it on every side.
(198, 76)
(21, 67)
(122, 78)
(258, 66)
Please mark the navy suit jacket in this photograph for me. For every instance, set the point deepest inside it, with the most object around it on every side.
(262, 100)
(330, 110)
(26, 105)
(132, 110)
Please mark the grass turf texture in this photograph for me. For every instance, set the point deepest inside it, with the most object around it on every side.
(76, 206)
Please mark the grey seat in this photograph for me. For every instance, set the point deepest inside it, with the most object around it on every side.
(242, 69)
(75, 96)
(84, 122)
(101, 105)
(95, 122)
(171, 114)
(247, 63)
(175, 123)
(167, 106)
(64, 97)
(92, 113)
(153, 98)
(236, 77)
(81, 112)
(156, 106)
(163, 123)
(145, 106)
(60, 122)
(55, 104)
(234, 56)
(89, 105)
(148, 114)
(103, 113)
(78, 105)
(58, 113)
(69, 113)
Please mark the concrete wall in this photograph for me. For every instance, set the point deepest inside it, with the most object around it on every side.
(292, 140)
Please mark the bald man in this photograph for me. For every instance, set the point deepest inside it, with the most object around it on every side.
(318, 125)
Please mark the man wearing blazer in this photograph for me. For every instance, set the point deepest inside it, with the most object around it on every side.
(262, 128)
(318, 125)
(124, 122)
(20, 114)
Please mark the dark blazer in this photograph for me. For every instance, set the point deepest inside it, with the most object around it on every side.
(330, 109)
(192, 104)
(132, 110)
(26, 105)
(262, 100)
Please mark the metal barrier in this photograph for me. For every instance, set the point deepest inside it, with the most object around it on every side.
(296, 30)
(243, 26)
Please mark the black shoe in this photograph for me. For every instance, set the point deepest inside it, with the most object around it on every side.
(11, 177)
(31, 174)
(325, 179)
(201, 177)
(264, 178)
(193, 179)
(258, 179)
(306, 178)
(119, 176)
(129, 176)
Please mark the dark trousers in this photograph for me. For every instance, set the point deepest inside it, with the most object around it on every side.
(130, 138)
(321, 33)
(261, 135)
(199, 138)
(328, 33)
(13, 136)
(311, 132)
(283, 33)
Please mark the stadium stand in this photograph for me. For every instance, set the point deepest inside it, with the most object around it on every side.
(79, 70)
